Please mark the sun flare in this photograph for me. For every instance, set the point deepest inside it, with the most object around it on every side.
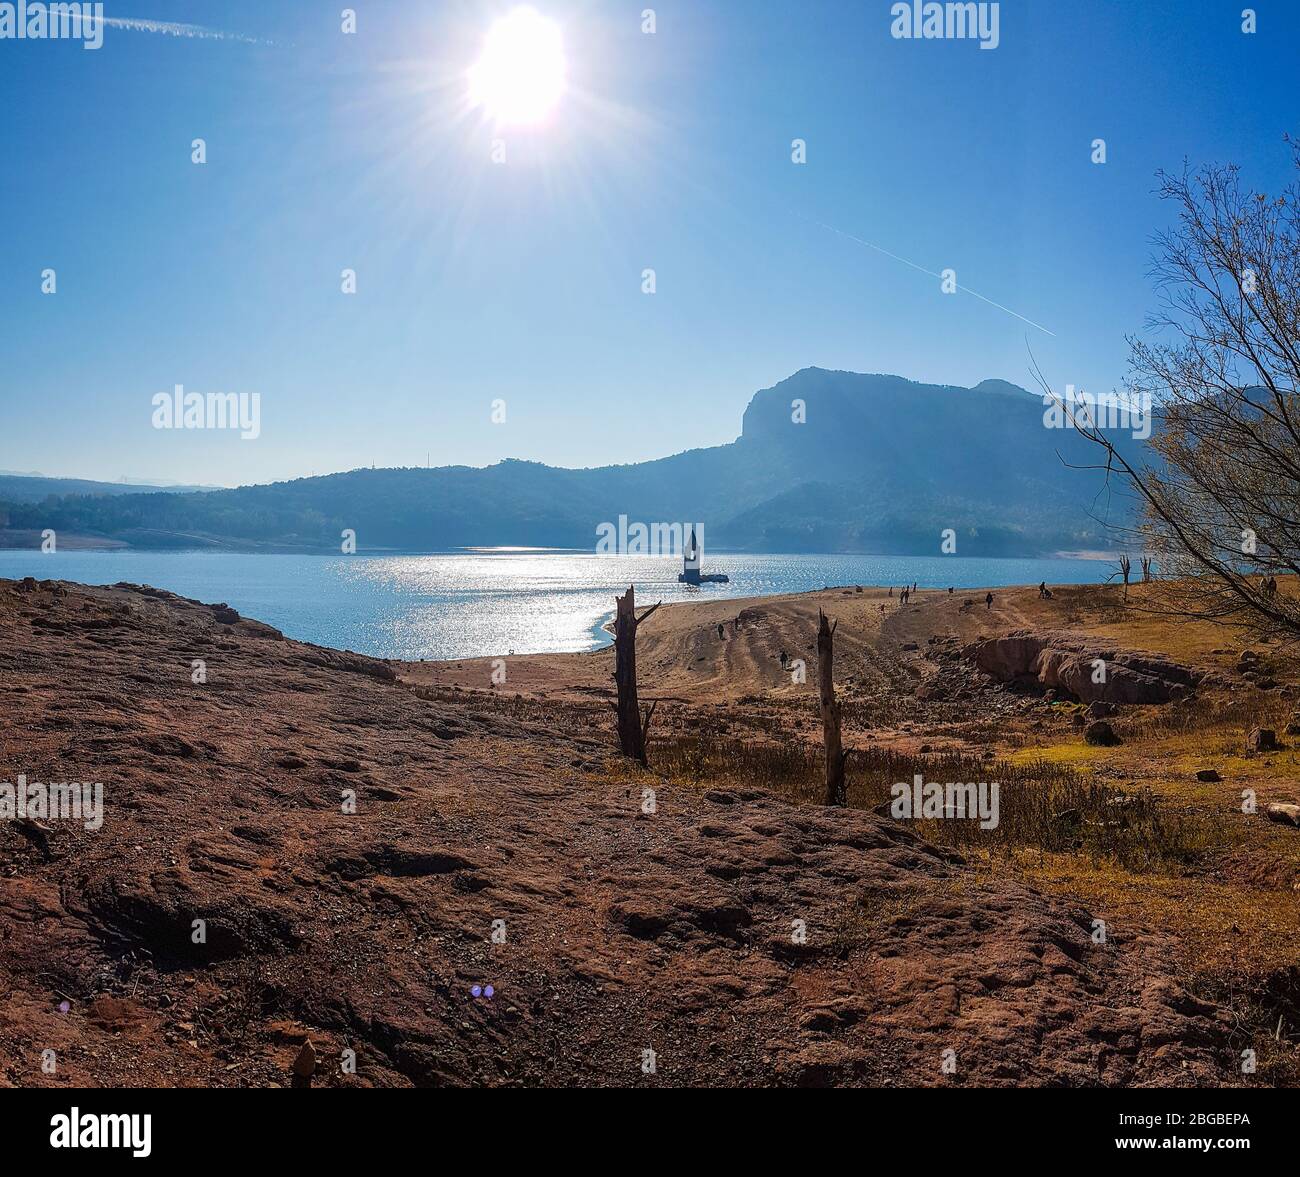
(521, 75)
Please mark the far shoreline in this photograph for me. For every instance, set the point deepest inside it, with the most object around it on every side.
(27, 540)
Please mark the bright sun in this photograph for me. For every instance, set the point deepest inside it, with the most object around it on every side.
(521, 75)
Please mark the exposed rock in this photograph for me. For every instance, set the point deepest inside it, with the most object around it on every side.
(1283, 812)
(37, 833)
(345, 660)
(1262, 739)
(1067, 663)
(1100, 732)
(1208, 775)
(304, 1065)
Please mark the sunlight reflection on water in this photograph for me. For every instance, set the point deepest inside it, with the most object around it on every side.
(471, 604)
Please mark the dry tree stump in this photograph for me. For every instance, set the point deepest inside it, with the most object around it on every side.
(633, 730)
(836, 756)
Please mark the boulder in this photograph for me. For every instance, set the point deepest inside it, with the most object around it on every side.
(1262, 739)
(1285, 813)
(1099, 732)
(304, 1066)
(1207, 774)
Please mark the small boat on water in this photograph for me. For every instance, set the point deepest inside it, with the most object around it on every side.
(690, 573)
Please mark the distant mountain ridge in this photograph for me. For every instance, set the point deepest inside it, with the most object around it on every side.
(32, 488)
(826, 461)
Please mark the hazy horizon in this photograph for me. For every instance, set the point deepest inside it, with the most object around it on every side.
(163, 484)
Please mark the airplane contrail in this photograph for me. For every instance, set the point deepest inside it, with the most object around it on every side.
(923, 270)
(169, 28)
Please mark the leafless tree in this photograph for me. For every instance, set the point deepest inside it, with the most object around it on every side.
(1125, 570)
(1220, 491)
(1146, 569)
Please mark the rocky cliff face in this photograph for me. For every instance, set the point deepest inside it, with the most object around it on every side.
(880, 463)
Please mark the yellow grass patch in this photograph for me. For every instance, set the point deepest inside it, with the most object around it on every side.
(1225, 928)
(1077, 754)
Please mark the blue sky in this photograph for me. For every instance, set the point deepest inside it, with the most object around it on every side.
(522, 281)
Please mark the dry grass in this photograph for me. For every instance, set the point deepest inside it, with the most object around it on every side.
(1239, 941)
(1227, 927)
(1189, 863)
(1043, 804)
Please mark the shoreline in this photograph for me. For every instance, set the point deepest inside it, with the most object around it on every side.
(442, 610)
(180, 544)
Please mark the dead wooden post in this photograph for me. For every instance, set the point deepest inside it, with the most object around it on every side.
(632, 729)
(836, 789)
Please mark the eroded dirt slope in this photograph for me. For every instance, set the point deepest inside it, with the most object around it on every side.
(625, 931)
